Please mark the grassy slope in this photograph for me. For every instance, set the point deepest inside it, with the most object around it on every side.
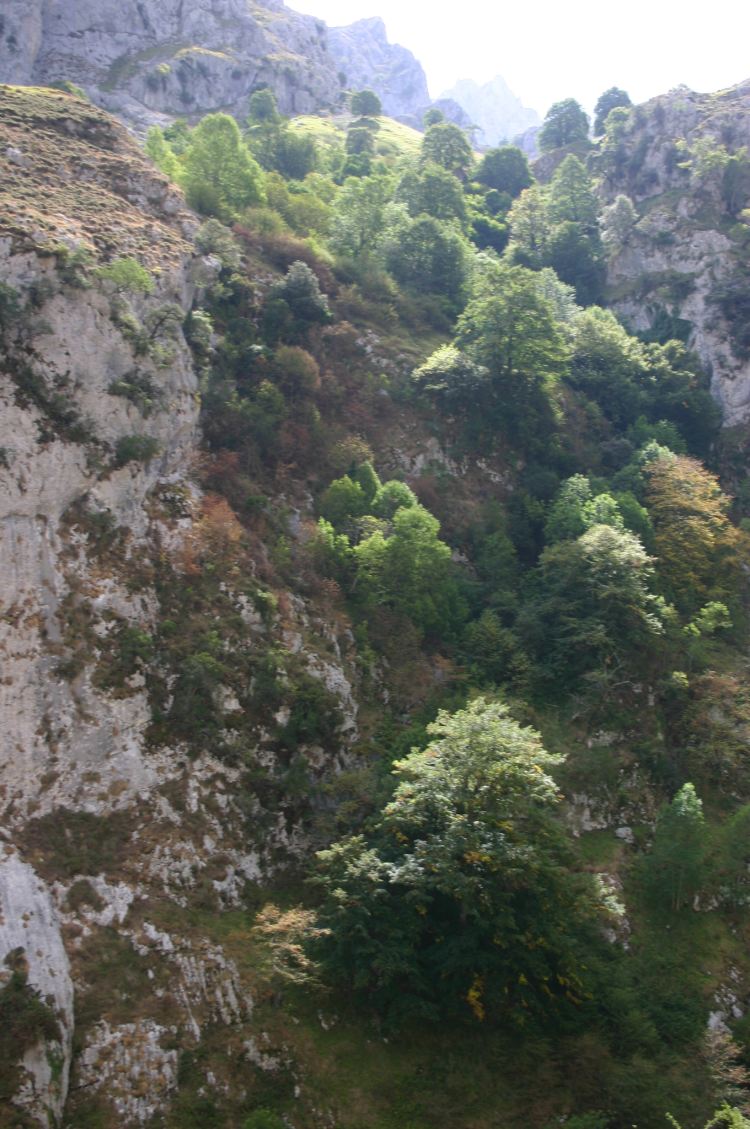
(81, 180)
(393, 139)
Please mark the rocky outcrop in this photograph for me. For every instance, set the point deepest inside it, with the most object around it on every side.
(494, 109)
(105, 822)
(681, 268)
(74, 190)
(144, 61)
(366, 60)
(452, 112)
(30, 938)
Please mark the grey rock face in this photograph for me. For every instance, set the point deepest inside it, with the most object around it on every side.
(29, 922)
(20, 38)
(75, 753)
(494, 109)
(169, 57)
(454, 113)
(689, 244)
(368, 61)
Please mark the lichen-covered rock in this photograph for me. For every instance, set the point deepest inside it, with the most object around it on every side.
(682, 159)
(169, 57)
(130, 1064)
(99, 521)
(30, 928)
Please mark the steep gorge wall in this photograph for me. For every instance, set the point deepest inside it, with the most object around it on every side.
(143, 61)
(108, 834)
(682, 159)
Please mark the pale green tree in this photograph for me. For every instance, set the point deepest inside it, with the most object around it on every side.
(218, 172)
(358, 216)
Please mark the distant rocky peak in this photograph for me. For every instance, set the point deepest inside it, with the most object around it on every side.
(497, 112)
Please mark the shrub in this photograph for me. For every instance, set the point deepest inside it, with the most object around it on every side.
(301, 291)
(9, 305)
(139, 389)
(25, 1020)
(366, 103)
(73, 265)
(135, 449)
(126, 275)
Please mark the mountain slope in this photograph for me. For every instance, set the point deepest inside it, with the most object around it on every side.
(680, 268)
(171, 58)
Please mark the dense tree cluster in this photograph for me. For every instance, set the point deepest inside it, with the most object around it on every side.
(604, 574)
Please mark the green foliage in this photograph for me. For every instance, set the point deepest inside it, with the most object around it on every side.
(433, 191)
(571, 196)
(392, 496)
(366, 476)
(591, 608)
(695, 543)
(135, 449)
(70, 88)
(558, 227)
(360, 140)
(126, 275)
(343, 501)
(629, 380)
(411, 572)
(461, 903)
(161, 152)
(139, 389)
(300, 292)
(446, 145)
(565, 519)
(735, 186)
(429, 257)
(262, 106)
(214, 238)
(513, 334)
(733, 859)
(217, 170)
(366, 104)
(10, 306)
(73, 265)
(575, 256)
(608, 101)
(296, 155)
(264, 1119)
(451, 375)
(358, 219)
(25, 1021)
(530, 228)
(506, 169)
(492, 648)
(618, 221)
(675, 868)
(564, 124)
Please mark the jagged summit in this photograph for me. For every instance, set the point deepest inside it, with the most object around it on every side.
(366, 59)
(493, 107)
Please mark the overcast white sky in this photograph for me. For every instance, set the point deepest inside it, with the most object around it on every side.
(552, 49)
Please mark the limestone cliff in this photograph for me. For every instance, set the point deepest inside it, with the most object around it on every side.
(366, 59)
(170, 58)
(105, 820)
(680, 267)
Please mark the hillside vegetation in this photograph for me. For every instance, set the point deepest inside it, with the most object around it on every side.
(452, 601)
